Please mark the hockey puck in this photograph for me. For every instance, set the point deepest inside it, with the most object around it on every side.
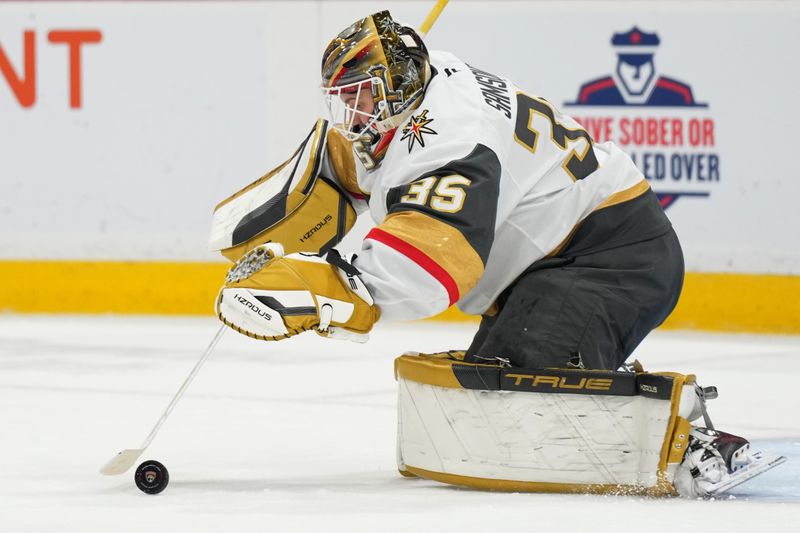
(151, 477)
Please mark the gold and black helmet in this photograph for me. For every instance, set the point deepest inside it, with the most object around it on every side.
(375, 59)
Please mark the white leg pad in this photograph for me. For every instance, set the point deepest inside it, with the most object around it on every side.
(557, 440)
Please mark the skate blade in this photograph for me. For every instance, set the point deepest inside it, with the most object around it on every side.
(761, 464)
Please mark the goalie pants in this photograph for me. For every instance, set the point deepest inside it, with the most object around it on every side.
(618, 278)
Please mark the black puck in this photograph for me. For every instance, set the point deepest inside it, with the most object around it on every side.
(151, 477)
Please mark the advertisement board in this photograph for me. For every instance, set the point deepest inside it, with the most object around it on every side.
(124, 123)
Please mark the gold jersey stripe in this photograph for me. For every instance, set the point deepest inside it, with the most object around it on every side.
(441, 242)
(623, 196)
(617, 198)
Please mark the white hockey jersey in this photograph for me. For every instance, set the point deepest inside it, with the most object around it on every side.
(482, 181)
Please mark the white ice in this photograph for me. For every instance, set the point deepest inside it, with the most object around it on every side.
(299, 435)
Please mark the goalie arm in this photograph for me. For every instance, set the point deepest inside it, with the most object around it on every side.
(432, 246)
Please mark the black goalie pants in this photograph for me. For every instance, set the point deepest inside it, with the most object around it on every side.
(591, 305)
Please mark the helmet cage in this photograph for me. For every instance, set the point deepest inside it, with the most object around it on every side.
(387, 103)
(385, 57)
(343, 109)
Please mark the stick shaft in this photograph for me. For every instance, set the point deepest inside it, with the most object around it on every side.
(183, 388)
(432, 16)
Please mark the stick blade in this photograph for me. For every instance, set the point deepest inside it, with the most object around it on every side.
(121, 463)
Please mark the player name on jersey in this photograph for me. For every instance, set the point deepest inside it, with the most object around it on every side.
(494, 91)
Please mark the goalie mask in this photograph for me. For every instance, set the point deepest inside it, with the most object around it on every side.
(374, 75)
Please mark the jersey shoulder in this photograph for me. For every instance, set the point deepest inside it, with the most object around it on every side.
(453, 118)
(490, 94)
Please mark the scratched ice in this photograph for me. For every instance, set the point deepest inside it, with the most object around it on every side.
(299, 435)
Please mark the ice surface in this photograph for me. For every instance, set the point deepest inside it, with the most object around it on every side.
(299, 435)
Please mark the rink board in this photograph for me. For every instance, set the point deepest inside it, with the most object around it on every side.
(116, 148)
(714, 302)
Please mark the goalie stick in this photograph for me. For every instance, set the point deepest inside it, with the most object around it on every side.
(125, 459)
(436, 10)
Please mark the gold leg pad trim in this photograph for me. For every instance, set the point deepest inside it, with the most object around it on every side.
(663, 488)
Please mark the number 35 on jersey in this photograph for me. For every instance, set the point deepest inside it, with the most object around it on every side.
(445, 194)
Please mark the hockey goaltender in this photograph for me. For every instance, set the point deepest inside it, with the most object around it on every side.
(486, 197)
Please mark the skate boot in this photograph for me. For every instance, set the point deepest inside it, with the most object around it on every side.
(716, 461)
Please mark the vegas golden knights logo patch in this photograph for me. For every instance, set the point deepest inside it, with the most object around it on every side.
(416, 128)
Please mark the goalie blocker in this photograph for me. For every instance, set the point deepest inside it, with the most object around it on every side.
(494, 427)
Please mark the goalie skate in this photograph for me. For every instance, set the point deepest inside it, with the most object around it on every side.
(717, 462)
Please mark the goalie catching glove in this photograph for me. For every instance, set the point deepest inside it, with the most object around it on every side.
(270, 296)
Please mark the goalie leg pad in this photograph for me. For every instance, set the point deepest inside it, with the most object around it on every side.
(496, 428)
